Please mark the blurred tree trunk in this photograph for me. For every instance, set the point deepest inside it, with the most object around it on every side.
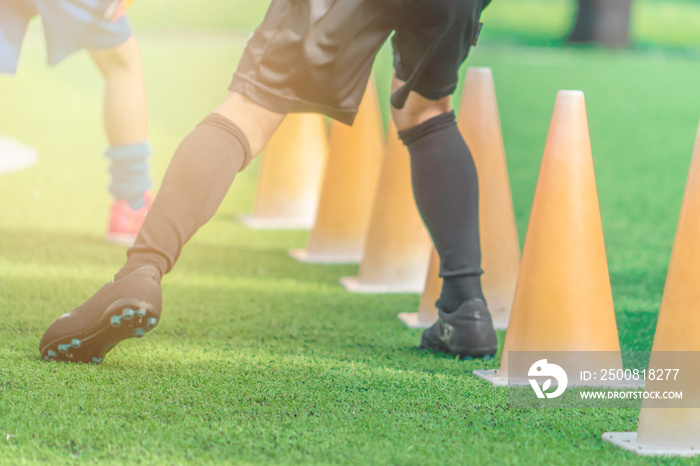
(604, 22)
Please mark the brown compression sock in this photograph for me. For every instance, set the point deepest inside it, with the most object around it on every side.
(196, 181)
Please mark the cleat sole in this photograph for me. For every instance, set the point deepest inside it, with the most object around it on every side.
(124, 319)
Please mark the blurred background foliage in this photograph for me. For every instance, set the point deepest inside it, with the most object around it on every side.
(653, 24)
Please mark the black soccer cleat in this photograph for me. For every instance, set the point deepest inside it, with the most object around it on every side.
(126, 308)
(467, 332)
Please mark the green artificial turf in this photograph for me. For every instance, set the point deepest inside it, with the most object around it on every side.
(261, 359)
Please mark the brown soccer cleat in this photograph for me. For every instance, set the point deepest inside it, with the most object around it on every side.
(125, 308)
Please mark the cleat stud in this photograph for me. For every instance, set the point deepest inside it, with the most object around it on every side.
(115, 321)
(75, 343)
(138, 332)
(141, 313)
(63, 348)
(152, 322)
(52, 353)
(128, 314)
(97, 360)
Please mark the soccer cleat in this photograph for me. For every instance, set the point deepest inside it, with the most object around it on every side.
(467, 332)
(124, 222)
(126, 308)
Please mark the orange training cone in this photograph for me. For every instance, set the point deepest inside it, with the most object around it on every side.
(427, 312)
(675, 430)
(290, 174)
(348, 188)
(397, 248)
(480, 126)
(563, 301)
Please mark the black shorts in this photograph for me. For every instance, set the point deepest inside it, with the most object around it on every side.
(317, 55)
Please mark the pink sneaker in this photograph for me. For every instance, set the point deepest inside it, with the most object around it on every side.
(125, 222)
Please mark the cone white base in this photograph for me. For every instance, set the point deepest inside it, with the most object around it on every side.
(258, 223)
(302, 255)
(500, 317)
(628, 441)
(415, 320)
(354, 285)
(492, 375)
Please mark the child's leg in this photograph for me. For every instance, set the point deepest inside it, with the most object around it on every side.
(198, 177)
(73, 25)
(444, 176)
(445, 186)
(125, 120)
(446, 189)
(125, 111)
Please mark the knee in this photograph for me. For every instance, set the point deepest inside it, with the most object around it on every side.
(124, 57)
(418, 110)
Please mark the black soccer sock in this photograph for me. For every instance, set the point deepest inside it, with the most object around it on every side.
(196, 181)
(446, 190)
